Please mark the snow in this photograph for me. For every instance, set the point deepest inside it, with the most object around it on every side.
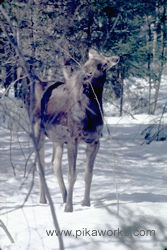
(128, 193)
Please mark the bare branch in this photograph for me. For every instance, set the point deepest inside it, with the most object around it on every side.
(2, 225)
(11, 162)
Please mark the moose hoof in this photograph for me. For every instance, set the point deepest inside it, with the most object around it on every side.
(68, 208)
(86, 203)
(43, 200)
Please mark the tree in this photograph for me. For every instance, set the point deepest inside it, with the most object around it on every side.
(53, 34)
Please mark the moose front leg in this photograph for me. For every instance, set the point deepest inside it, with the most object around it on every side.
(91, 153)
(39, 142)
(72, 156)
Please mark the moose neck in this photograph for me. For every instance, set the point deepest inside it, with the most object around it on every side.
(95, 90)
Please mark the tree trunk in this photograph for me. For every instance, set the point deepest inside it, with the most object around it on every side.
(162, 55)
(149, 65)
(150, 84)
(121, 80)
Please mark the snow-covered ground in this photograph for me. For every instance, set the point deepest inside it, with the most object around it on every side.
(128, 194)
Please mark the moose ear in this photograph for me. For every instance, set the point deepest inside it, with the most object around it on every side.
(93, 53)
(112, 61)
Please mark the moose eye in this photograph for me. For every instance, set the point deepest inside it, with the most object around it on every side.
(105, 65)
(99, 66)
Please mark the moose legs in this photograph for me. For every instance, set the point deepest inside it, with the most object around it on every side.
(72, 156)
(39, 141)
(56, 161)
(92, 149)
(91, 153)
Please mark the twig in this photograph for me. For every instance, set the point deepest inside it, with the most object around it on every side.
(42, 176)
(6, 231)
(31, 186)
(26, 163)
(11, 162)
(125, 111)
(115, 23)
(22, 151)
(11, 85)
(14, 118)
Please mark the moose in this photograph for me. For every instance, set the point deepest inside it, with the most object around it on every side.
(70, 113)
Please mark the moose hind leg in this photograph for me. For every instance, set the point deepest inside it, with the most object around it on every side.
(42, 160)
(72, 156)
(57, 165)
(40, 142)
(91, 153)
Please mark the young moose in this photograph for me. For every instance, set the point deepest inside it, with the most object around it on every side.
(70, 113)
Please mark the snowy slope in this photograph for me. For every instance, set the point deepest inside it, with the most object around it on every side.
(128, 194)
